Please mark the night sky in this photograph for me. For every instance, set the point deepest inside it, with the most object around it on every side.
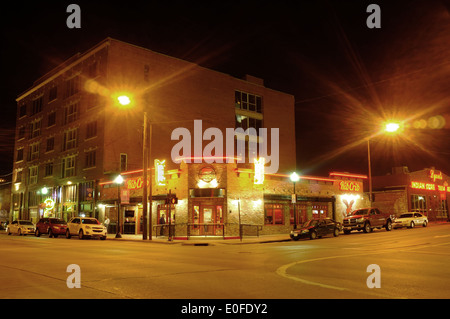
(346, 78)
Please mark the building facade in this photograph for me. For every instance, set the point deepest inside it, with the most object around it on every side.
(426, 191)
(73, 139)
(71, 133)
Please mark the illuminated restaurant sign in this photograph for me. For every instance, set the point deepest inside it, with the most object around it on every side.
(135, 183)
(160, 179)
(430, 186)
(435, 176)
(349, 186)
(259, 170)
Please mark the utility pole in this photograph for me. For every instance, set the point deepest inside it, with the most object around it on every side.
(144, 170)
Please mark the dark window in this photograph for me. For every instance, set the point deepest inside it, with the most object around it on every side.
(51, 119)
(52, 94)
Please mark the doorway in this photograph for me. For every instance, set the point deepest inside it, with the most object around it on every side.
(207, 220)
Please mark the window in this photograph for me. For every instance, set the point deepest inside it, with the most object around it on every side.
(70, 139)
(23, 110)
(68, 166)
(91, 129)
(273, 214)
(50, 144)
(48, 169)
(18, 176)
(72, 86)
(248, 101)
(300, 212)
(35, 128)
(51, 119)
(71, 113)
(37, 105)
(90, 159)
(32, 175)
(21, 133)
(19, 156)
(123, 162)
(33, 151)
(419, 203)
(52, 94)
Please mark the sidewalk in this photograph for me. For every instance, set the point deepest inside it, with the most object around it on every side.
(204, 241)
(211, 241)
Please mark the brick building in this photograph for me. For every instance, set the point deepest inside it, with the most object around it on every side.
(73, 139)
(426, 191)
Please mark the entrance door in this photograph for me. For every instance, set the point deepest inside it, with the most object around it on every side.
(207, 220)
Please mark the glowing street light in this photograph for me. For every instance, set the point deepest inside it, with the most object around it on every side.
(124, 100)
(391, 127)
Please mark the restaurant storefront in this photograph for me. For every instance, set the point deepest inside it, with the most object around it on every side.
(224, 200)
(425, 191)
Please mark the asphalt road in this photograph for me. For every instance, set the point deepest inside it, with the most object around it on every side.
(412, 263)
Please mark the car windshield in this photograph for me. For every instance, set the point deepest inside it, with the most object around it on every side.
(25, 222)
(406, 215)
(90, 221)
(311, 222)
(57, 221)
(364, 211)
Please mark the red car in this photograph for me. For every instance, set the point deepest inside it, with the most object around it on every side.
(51, 226)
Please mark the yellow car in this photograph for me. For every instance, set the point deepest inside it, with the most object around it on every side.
(410, 220)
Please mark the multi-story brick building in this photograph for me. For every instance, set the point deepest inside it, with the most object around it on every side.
(73, 139)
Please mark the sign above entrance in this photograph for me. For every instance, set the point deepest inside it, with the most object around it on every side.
(351, 186)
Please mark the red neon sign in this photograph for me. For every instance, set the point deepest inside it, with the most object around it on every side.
(349, 186)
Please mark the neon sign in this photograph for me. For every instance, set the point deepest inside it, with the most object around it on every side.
(349, 186)
(160, 179)
(434, 176)
(49, 204)
(259, 170)
(135, 183)
(429, 186)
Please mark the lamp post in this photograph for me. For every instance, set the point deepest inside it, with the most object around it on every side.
(118, 180)
(294, 178)
(389, 127)
(125, 100)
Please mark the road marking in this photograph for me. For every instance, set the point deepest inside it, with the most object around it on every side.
(282, 271)
(442, 236)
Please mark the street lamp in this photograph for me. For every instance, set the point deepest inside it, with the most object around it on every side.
(294, 178)
(389, 127)
(125, 100)
(118, 180)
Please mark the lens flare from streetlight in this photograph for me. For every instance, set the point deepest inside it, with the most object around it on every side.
(124, 100)
(392, 127)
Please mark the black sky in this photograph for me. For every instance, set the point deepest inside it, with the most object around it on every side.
(345, 77)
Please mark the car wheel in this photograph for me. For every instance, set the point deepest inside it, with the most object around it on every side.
(9, 232)
(80, 234)
(425, 224)
(389, 225)
(68, 234)
(336, 232)
(37, 233)
(367, 228)
(103, 238)
(313, 235)
(411, 225)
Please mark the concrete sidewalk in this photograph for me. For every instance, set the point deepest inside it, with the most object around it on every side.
(205, 241)
(217, 240)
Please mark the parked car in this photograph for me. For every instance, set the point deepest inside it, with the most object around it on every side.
(316, 228)
(51, 226)
(410, 220)
(366, 219)
(20, 227)
(85, 227)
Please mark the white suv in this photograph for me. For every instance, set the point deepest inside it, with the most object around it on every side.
(85, 227)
